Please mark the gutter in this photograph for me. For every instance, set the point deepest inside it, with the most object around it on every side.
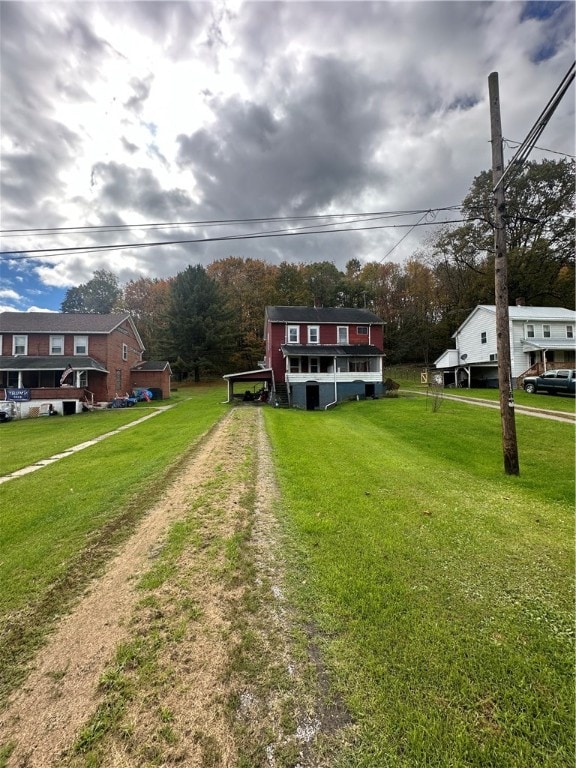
(335, 389)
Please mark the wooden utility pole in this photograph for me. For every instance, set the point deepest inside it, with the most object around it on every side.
(507, 416)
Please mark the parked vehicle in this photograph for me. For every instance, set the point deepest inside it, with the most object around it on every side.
(559, 381)
(7, 410)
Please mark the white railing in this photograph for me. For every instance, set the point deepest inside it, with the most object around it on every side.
(323, 378)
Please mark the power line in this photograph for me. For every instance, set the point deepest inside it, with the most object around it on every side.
(72, 250)
(513, 144)
(515, 165)
(103, 228)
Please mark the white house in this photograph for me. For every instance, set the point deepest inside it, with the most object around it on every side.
(540, 338)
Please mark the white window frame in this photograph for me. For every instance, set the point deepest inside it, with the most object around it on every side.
(80, 341)
(313, 330)
(342, 331)
(314, 365)
(293, 331)
(82, 379)
(124, 351)
(569, 333)
(530, 331)
(57, 343)
(19, 341)
(294, 365)
(546, 332)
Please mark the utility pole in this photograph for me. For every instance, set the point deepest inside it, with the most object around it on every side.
(507, 416)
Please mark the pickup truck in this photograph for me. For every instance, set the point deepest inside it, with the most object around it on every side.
(560, 381)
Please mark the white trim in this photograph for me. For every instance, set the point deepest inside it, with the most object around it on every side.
(24, 345)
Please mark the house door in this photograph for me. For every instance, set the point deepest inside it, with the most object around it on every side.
(312, 396)
(369, 390)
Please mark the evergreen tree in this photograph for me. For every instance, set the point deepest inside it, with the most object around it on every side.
(199, 325)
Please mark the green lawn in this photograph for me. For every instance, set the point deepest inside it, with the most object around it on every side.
(59, 524)
(437, 590)
(441, 590)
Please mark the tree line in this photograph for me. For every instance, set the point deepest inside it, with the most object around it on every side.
(209, 320)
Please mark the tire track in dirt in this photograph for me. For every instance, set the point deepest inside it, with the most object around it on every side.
(61, 691)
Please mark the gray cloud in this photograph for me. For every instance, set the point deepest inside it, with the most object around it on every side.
(311, 107)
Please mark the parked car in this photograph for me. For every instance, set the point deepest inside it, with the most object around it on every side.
(7, 410)
(559, 381)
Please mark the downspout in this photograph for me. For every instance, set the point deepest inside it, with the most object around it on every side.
(335, 389)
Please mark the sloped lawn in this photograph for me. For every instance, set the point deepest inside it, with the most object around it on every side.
(439, 590)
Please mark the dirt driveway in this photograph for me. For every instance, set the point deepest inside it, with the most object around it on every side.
(182, 652)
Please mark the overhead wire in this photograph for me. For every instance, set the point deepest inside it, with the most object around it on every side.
(515, 165)
(351, 220)
(73, 250)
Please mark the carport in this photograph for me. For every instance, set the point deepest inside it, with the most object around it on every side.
(263, 376)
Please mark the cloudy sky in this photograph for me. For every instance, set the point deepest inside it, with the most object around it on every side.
(236, 118)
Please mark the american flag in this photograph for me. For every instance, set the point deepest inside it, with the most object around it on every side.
(68, 372)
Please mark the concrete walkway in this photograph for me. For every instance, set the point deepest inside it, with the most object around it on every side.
(80, 446)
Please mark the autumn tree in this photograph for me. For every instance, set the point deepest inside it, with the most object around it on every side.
(148, 300)
(247, 285)
(540, 239)
(291, 287)
(99, 296)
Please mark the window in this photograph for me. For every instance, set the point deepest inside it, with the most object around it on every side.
(314, 367)
(293, 334)
(294, 364)
(483, 337)
(529, 331)
(362, 330)
(569, 333)
(546, 331)
(56, 345)
(313, 334)
(83, 379)
(342, 334)
(20, 345)
(493, 357)
(80, 345)
(124, 351)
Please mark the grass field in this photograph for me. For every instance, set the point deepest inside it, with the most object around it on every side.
(437, 590)
(58, 525)
(441, 590)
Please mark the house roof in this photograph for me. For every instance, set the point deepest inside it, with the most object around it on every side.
(332, 350)
(259, 374)
(525, 314)
(50, 363)
(64, 322)
(152, 365)
(322, 315)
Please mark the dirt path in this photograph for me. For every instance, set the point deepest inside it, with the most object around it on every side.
(181, 711)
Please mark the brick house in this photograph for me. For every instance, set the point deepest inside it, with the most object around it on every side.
(318, 356)
(69, 358)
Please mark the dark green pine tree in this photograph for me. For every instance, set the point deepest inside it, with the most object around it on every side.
(200, 328)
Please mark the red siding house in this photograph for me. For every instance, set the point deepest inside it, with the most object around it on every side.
(65, 359)
(318, 356)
